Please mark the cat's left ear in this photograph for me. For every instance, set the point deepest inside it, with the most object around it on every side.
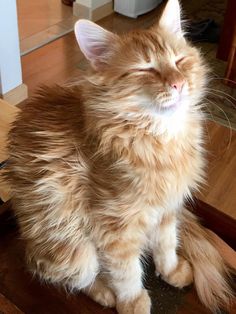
(95, 42)
(171, 17)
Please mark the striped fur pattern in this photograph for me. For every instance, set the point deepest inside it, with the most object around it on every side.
(100, 170)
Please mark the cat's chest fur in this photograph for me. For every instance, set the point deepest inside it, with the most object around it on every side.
(162, 173)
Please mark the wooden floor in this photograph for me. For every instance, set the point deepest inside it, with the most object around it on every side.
(42, 21)
(220, 190)
(36, 16)
(62, 59)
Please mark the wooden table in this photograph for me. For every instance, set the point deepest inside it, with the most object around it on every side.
(6, 307)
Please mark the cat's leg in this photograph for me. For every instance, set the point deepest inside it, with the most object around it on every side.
(76, 268)
(122, 260)
(173, 268)
(100, 292)
(72, 266)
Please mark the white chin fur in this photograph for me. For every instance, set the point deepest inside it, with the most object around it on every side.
(170, 121)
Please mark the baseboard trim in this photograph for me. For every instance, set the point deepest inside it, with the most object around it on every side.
(103, 11)
(84, 12)
(16, 95)
(81, 11)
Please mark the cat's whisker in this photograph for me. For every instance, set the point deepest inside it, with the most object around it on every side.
(213, 103)
(204, 185)
(205, 123)
(230, 126)
(220, 96)
(221, 92)
(209, 112)
(223, 79)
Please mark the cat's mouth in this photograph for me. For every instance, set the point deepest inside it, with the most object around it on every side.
(171, 106)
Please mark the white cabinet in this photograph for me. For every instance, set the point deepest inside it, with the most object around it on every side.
(133, 8)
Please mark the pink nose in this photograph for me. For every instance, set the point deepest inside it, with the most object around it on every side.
(178, 85)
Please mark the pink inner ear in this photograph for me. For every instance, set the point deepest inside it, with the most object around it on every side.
(170, 18)
(94, 41)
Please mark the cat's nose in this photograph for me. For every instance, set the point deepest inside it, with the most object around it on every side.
(178, 84)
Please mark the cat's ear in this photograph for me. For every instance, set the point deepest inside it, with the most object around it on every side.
(171, 17)
(94, 41)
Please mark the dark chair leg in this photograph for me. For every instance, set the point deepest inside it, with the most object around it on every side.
(68, 2)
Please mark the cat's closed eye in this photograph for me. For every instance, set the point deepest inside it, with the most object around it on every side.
(179, 60)
(150, 70)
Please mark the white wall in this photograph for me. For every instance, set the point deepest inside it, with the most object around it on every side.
(10, 63)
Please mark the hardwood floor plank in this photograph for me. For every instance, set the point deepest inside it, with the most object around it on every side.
(7, 307)
(52, 64)
(36, 16)
(220, 191)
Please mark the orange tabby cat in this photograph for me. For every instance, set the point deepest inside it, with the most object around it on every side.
(100, 170)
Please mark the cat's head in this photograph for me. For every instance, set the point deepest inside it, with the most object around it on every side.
(156, 69)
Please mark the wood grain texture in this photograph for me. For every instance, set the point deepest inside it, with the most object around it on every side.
(227, 32)
(16, 95)
(220, 190)
(7, 115)
(36, 16)
(231, 66)
(51, 64)
(6, 307)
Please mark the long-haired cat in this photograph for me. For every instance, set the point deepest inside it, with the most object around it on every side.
(100, 169)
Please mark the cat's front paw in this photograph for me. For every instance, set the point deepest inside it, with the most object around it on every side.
(105, 298)
(101, 294)
(181, 276)
(140, 305)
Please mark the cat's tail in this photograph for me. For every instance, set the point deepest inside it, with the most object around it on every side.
(211, 272)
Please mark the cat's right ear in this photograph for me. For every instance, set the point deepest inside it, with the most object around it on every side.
(95, 42)
(171, 17)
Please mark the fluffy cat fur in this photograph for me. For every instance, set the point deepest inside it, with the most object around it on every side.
(100, 170)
